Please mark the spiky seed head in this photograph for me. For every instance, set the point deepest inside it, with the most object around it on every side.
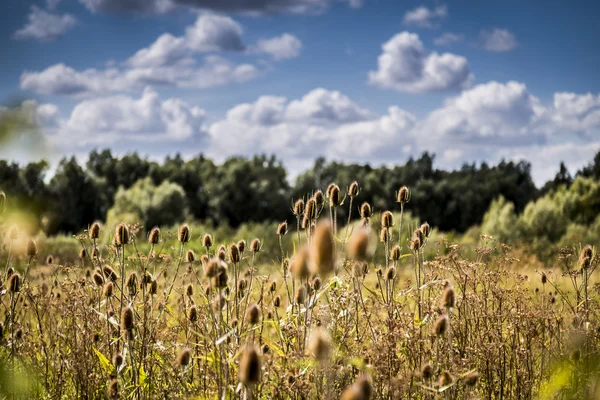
(132, 283)
(234, 253)
(300, 296)
(250, 368)
(189, 290)
(154, 235)
(190, 256)
(82, 253)
(358, 245)
(108, 289)
(255, 245)
(319, 198)
(415, 244)
(127, 319)
(390, 273)
(98, 279)
(193, 314)
(298, 207)
(43, 289)
(49, 260)
(2, 201)
(121, 235)
(316, 283)
(94, 231)
(305, 223)
(277, 301)
(426, 371)
(253, 314)
(403, 195)
(445, 379)
(319, 345)
(335, 197)
(153, 287)
(109, 273)
(220, 279)
(365, 210)
(282, 228)
(31, 248)
(241, 246)
(113, 388)
(242, 284)
(299, 264)
(310, 209)
(387, 219)
(322, 252)
(9, 272)
(544, 278)
(207, 240)
(184, 234)
(448, 297)
(353, 189)
(184, 357)
(472, 378)
(212, 268)
(395, 253)
(384, 235)
(14, 283)
(117, 360)
(425, 229)
(585, 257)
(329, 187)
(272, 286)
(441, 325)
(361, 389)
(221, 253)
(419, 233)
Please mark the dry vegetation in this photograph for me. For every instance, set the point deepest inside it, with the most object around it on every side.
(351, 309)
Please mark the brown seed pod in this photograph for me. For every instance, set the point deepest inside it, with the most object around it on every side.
(298, 207)
(448, 297)
(212, 268)
(319, 345)
(82, 253)
(395, 253)
(403, 195)
(445, 379)
(153, 287)
(94, 231)
(184, 357)
(98, 279)
(109, 273)
(319, 198)
(387, 219)
(49, 260)
(471, 379)
(207, 240)
(253, 314)
(241, 246)
(585, 257)
(358, 245)
(390, 273)
(127, 319)
(310, 209)
(365, 210)
(322, 251)
(255, 245)
(14, 283)
(384, 235)
(189, 290)
(425, 229)
(277, 301)
(117, 360)
(361, 389)
(272, 286)
(282, 228)
(31, 248)
(108, 289)
(335, 198)
(121, 235)
(184, 234)
(427, 371)
(419, 234)
(441, 325)
(113, 388)
(132, 283)
(221, 254)
(299, 264)
(353, 189)
(300, 296)
(316, 283)
(250, 369)
(234, 253)
(220, 279)
(154, 236)
(415, 244)
(192, 314)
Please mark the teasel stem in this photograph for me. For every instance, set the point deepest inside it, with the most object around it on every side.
(298, 228)
(181, 248)
(400, 227)
(349, 218)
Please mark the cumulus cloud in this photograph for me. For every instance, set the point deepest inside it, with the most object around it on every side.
(280, 47)
(45, 26)
(140, 6)
(405, 66)
(424, 17)
(498, 40)
(448, 39)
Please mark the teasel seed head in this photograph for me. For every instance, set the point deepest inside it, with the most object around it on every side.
(212, 268)
(113, 388)
(358, 245)
(316, 283)
(184, 357)
(395, 253)
(132, 283)
(94, 231)
(14, 283)
(207, 240)
(353, 189)
(241, 246)
(445, 379)
(448, 297)
(426, 371)
(322, 252)
(298, 207)
(544, 278)
(189, 290)
(471, 379)
(82, 253)
(109, 273)
(384, 235)
(441, 325)
(319, 198)
(234, 253)
(192, 314)
(425, 229)
(403, 195)
(282, 228)
(277, 301)
(2, 201)
(127, 323)
(320, 344)
(300, 296)
(108, 289)
(220, 279)
(585, 258)
(250, 368)
(121, 235)
(98, 279)
(415, 244)
(253, 314)
(272, 286)
(117, 360)
(390, 273)
(305, 223)
(184, 233)
(335, 198)
(310, 209)
(31, 248)
(365, 211)
(221, 253)
(154, 235)
(387, 219)
(361, 389)
(255, 245)
(153, 287)
(49, 260)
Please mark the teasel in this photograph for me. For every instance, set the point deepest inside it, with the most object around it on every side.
(98, 279)
(82, 253)
(427, 371)
(132, 283)
(585, 257)
(127, 320)
(353, 189)
(361, 389)
(272, 286)
(250, 366)
(334, 194)
(425, 230)
(322, 252)
(113, 389)
(441, 325)
(211, 268)
(471, 379)
(117, 360)
(31, 248)
(300, 296)
(384, 235)
(241, 244)
(207, 241)
(403, 195)
(299, 264)
(108, 289)
(184, 234)
(219, 280)
(253, 315)
(255, 245)
(319, 345)
(192, 314)
(445, 379)
(184, 357)
(316, 283)
(221, 253)
(153, 287)
(395, 253)
(94, 230)
(390, 273)
(2, 201)
(234, 253)
(319, 199)
(298, 208)
(387, 219)
(282, 228)
(154, 236)
(109, 273)
(310, 209)
(14, 283)
(121, 235)
(448, 297)
(277, 301)
(358, 245)
(49, 260)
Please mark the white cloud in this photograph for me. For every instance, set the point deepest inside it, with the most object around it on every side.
(214, 33)
(498, 40)
(405, 66)
(280, 47)
(424, 17)
(52, 4)
(45, 26)
(140, 6)
(448, 39)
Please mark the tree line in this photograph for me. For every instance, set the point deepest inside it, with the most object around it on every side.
(257, 189)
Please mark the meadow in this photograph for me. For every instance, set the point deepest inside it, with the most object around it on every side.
(372, 305)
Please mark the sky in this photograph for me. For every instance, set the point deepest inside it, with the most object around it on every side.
(369, 81)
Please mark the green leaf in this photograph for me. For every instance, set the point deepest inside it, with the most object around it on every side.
(104, 363)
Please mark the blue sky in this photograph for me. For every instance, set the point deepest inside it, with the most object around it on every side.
(369, 81)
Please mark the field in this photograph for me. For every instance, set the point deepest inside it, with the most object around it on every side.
(378, 306)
